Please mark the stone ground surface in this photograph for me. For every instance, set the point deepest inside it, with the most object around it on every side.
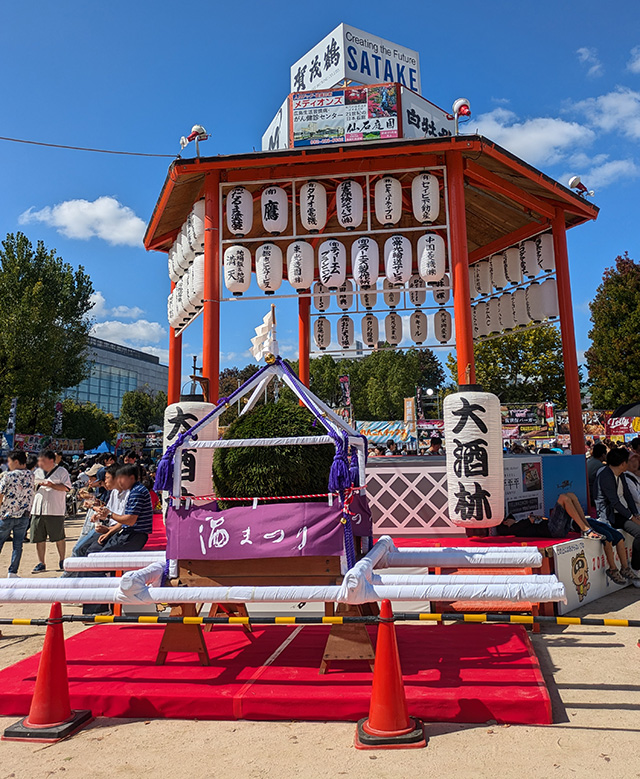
(592, 674)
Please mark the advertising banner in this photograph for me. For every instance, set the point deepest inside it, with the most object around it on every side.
(523, 493)
(381, 432)
(347, 53)
(131, 441)
(410, 421)
(276, 135)
(622, 425)
(344, 115)
(422, 119)
(532, 416)
(36, 443)
(594, 422)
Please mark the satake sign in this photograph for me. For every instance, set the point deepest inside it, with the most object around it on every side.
(347, 53)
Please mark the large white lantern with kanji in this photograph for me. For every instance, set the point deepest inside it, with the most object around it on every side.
(188, 251)
(528, 259)
(425, 198)
(313, 206)
(507, 322)
(473, 292)
(321, 297)
(442, 326)
(369, 298)
(512, 265)
(549, 298)
(365, 262)
(388, 201)
(545, 252)
(493, 318)
(345, 332)
(393, 328)
(275, 210)
(239, 211)
(300, 264)
(432, 261)
(344, 298)
(418, 326)
(195, 227)
(174, 269)
(188, 294)
(483, 277)
(475, 466)
(520, 311)
(482, 318)
(398, 259)
(237, 269)
(498, 274)
(322, 332)
(370, 330)
(197, 282)
(417, 291)
(332, 263)
(269, 267)
(442, 291)
(349, 204)
(391, 293)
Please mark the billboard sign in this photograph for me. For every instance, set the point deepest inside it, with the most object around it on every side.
(422, 119)
(276, 135)
(347, 53)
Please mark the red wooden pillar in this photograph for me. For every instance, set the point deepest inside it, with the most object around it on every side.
(211, 310)
(459, 261)
(175, 363)
(304, 338)
(569, 353)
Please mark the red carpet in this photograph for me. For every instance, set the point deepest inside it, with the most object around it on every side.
(157, 541)
(453, 673)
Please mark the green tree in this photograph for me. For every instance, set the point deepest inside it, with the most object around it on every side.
(229, 381)
(141, 409)
(43, 329)
(521, 367)
(86, 420)
(613, 360)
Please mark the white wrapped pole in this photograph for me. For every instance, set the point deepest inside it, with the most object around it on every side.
(453, 557)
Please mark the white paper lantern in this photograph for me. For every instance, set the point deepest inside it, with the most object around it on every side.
(181, 263)
(528, 259)
(180, 316)
(483, 277)
(418, 326)
(275, 210)
(349, 204)
(545, 252)
(442, 291)
(507, 322)
(498, 274)
(300, 264)
(195, 227)
(322, 332)
(425, 198)
(345, 296)
(370, 330)
(388, 201)
(269, 267)
(332, 263)
(171, 311)
(391, 293)
(475, 466)
(188, 252)
(174, 270)
(197, 291)
(482, 319)
(549, 298)
(493, 315)
(345, 332)
(398, 259)
(196, 464)
(442, 325)
(393, 328)
(188, 293)
(534, 302)
(237, 269)
(519, 301)
(369, 297)
(473, 292)
(313, 206)
(365, 261)
(512, 265)
(321, 297)
(240, 211)
(432, 260)
(475, 321)
(417, 291)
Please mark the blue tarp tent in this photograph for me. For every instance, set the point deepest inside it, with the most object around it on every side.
(102, 449)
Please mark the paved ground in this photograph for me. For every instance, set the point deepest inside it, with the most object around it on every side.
(593, 675)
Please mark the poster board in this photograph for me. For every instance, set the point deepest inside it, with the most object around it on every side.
(564, 473)
(523, 489)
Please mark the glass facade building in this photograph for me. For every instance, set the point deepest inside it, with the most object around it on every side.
(115, 370)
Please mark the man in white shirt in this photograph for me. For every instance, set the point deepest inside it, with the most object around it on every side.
(49, 507)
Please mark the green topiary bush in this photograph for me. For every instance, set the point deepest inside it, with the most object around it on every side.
(278, 470)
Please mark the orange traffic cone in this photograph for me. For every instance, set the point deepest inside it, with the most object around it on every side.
(50, 716)
(388, 725)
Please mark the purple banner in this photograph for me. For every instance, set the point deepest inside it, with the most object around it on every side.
(272, 530)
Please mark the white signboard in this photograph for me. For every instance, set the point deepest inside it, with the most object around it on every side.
(580, 565)
(422, 119)
(277, 133)
(349, 53)
(523, 493)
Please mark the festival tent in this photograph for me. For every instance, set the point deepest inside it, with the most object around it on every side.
(103, 448)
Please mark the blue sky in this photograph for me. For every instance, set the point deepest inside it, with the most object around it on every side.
(557, 83)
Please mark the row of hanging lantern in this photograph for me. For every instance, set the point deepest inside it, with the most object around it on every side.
(188, 244)
(387, 197)
(513, 266)
(393, 329)
(332, 263)
(416, 290)
(187, 297)
(512, 310)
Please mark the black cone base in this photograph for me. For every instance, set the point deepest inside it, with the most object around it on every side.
(415, 739)
(21, 732)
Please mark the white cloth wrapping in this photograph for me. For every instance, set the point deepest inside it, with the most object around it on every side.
(113, 561)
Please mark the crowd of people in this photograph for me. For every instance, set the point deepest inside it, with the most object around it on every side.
(38, 493)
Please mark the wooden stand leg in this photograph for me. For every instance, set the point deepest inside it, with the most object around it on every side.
(228, 610)
(349, 642)
(183, 638)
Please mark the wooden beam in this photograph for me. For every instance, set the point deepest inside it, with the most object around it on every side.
(499, 245)
(485, 179)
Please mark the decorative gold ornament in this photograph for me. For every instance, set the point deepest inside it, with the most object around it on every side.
(270, 358)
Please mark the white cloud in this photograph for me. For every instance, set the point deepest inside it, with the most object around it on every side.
(540, 141)
(98, 305)
(128, 333)
(104, 218)
(589, 56)
(617, 110)
(156, 351)
(609, 172)
(634, 62)
(127, 312)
